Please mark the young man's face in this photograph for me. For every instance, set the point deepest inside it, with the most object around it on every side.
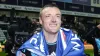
(50, 19)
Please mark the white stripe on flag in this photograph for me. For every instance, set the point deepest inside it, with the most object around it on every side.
(63, 41)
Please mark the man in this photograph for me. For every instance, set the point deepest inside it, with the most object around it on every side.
(92, 37)
(52, 40)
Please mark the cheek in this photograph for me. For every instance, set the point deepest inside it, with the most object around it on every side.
(59, 21)
(46, 21)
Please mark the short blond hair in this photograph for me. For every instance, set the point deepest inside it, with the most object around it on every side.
(48, 5)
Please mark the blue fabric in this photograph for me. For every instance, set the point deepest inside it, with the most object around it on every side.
(68, 44)
(98, 42)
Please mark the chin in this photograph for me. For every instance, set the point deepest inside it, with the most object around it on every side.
(54, 32)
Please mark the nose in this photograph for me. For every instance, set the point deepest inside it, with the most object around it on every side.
(53, 19)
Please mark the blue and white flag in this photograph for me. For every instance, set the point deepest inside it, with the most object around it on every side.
(68, 44)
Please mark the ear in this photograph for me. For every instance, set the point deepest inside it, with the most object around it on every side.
(40, 20)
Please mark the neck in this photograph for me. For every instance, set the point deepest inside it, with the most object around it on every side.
(50, 38)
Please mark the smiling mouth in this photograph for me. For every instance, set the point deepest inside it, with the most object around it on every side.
(53, 25)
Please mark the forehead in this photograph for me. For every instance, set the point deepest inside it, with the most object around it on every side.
(51, 10)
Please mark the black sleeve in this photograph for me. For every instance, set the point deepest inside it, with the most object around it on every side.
(91, 35)
(92, 32)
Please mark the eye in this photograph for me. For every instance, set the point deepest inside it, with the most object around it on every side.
(58, 16)
(47, 16)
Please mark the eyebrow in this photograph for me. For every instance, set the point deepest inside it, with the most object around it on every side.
(58, 14)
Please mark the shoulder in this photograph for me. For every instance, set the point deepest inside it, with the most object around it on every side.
(66, 30)
(35, 38)
(36, 35)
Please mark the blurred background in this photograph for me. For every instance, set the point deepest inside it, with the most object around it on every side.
(19, 21)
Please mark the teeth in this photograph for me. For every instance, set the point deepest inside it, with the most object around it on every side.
(52, 24)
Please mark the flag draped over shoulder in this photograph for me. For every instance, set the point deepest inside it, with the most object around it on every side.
(68, 44)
